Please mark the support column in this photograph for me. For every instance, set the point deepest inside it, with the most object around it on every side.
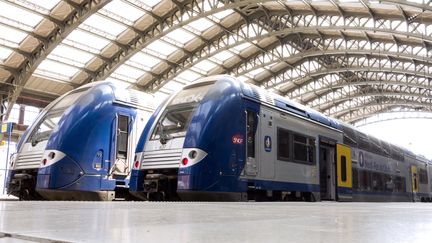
(21, 114)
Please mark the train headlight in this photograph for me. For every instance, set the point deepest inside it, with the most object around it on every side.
(137, 164)
(185, 161)
(51, 155)
(193, 154)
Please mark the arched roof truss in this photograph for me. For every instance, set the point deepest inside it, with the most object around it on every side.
(349, 60)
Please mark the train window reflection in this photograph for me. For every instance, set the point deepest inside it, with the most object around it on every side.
(304, 149)
(173, 123)
(283, 144)
(45, 128)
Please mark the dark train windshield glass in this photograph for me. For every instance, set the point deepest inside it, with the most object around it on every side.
(175, 120)
(46, 125)
(174, 123)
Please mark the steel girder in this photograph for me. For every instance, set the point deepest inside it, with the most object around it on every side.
(80, 13)
(184, 13)
(392, 115)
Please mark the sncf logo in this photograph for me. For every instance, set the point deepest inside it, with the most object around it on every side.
(237, 139)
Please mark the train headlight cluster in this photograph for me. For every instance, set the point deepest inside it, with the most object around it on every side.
(51, 156)
(191, 156)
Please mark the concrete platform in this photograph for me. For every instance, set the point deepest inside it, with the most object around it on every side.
(214, 222)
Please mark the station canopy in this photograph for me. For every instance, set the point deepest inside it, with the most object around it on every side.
(348, 59)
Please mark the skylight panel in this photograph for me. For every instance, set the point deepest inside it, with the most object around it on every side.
(150, 3)
(14, 13)
(144, 59)
(241, 47)
(72, 54)
(130, 72)
(119, 83)
(223, 56)
(12, 35)
(4, 53)
(88, 39)
(188, 76)
(47, 4)
(205, 65)
(57, 69)
(124, 10)
(243, 78)
(201, 24)
(173, 85)
(256, 71)
(162, 47)
(105, 25)
(181, 36)
(223, 14)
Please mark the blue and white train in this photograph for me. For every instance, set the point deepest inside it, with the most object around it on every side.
(81, 146)
(222, 139)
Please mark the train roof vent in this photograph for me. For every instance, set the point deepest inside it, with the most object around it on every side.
(134, 98)
(290, 107)
(251, 92)
(269, 99)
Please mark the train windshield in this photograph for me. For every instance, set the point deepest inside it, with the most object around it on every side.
(178, 113)
(46, 125)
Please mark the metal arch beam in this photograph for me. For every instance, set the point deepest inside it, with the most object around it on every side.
(358, 118)
(252, 61)
(402, 115)
(173, 20)
(323, 107)
(394, 102)
(81, 12)
(369, 82)
(337, 70)
(192, 59)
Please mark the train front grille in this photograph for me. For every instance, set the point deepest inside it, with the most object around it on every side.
(162, 159)
(29, 160)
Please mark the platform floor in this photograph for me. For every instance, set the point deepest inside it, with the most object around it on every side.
(214, 222)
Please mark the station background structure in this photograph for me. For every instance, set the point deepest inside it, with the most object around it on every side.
(348, 59)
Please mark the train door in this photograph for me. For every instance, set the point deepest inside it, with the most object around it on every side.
(121, 165)
(327, 167)
(344, 172)
(251, 135)
(414, 181)
(266, 153)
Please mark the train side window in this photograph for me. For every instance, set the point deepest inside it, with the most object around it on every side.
(122, 136)
(355, 179)
(250, 133)
(304, 149)
(283, 149)
(423, 176)
(364, 180)
(343, 169)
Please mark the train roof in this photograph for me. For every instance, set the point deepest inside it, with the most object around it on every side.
(283, 103)
(126, 96)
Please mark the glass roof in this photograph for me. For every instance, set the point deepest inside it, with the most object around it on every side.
(47, 4)
(56, 70)
(4, 53)
(103, 26)
(124, 10)
(12, 13)
(12, 35)
(87, 39)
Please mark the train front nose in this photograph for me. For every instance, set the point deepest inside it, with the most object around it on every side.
(57, 170)
(190, 168)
